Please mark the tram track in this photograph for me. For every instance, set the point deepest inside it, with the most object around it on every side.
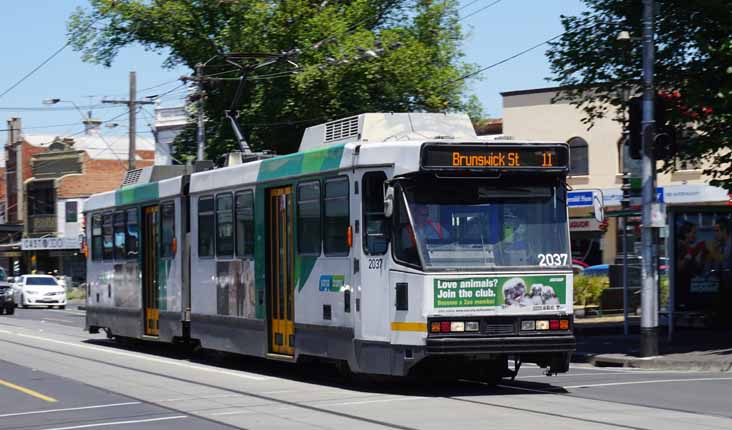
(322, 410)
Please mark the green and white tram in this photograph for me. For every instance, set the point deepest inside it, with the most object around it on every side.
(395, 243)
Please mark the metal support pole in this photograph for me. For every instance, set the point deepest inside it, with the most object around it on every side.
(625, 276)
(201, 136)
(133, 120)
(649, 308)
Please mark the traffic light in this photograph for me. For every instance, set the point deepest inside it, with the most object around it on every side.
(626, 187)
(664, 141)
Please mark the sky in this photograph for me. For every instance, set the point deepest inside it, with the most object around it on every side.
(33, 29)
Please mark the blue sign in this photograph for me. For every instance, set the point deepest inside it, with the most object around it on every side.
(659, 195)
(579, 198)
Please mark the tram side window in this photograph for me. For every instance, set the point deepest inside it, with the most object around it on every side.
(375, 239)
(133, 234)
(108, 237)
(119, 235)
(244, 224)
(224, 225)
(336, 216)
(167, 224)
(308, 218)
(96, 237)
(205, 227)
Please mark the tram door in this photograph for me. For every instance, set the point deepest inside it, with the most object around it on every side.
(280, 263)
(150, 228)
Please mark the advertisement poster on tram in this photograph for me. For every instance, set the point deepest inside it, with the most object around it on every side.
(509, 293)
(702, 258)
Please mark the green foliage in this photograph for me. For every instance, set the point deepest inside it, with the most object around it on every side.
(421, 56)
(588, 289)
(693, 59)
(663, 290)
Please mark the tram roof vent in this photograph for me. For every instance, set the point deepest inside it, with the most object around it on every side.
(383, 127)
(153, 174)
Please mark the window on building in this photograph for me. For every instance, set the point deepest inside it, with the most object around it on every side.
(107, 237)
(96, 230)
(132, 239)
(308, 218)
(578, 157)
(72, 212)
(206, 226)
(120, 225)
(244, 224)
(224, 225)
(336, 216)
(41, 198)
(375, 227)
(167, 223)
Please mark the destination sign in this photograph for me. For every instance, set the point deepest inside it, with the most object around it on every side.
(492, 157)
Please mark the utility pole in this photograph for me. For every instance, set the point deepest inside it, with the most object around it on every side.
(201, 135)
(132, 105)
(649, 294)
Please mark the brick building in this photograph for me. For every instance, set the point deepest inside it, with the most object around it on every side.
(47, 180)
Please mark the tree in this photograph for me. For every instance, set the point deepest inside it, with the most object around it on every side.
(693, 69)
(416, 46)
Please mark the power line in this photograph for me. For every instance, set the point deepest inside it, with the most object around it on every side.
(44, 126)
(52, 109)
(505, 60)
(479, 10)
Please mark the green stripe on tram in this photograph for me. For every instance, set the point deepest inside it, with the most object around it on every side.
(301, 163)
(136, 193)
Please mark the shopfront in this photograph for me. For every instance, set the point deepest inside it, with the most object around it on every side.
(58, 256)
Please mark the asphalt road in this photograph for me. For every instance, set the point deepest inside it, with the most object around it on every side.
(47, 352)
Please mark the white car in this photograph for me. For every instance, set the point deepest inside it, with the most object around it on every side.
(39, 290)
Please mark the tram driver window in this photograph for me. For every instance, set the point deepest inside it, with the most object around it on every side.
(119, 235)
(375, 239)
(205, 227)
(405, 242)
(167, 224)
(96, 237)
(224, 225)
(308, 218)
(336, 216)
(107, 237)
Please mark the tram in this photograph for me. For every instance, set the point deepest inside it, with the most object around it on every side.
(397, 244)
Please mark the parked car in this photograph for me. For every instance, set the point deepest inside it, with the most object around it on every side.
(39, 290)
(7, 303)
(578, 266)
(597, 270)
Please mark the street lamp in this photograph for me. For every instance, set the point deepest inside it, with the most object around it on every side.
(56, 101)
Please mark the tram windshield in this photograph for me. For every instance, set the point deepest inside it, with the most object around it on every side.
(466, 224)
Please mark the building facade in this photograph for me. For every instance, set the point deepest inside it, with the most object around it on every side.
(169, 122)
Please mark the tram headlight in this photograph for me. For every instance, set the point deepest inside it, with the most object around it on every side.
(542, 324)
(472, 326)
(457, 326)
(528, 325)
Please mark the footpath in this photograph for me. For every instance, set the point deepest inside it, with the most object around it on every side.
(600, 342)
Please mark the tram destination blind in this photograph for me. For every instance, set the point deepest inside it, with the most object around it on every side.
(483, 157)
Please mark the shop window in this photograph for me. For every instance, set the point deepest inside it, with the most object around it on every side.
(167, 224)
(244, 224)
(336, 216)
(107, 237)
(96, 236)
(578, 157)
(224, 225)
(72, 214)
(375, 240)
(206, 226)
(133, 234)
(120, 225)
(308, 218)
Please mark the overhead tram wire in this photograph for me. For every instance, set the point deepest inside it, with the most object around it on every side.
(498, 63)
(478, 10)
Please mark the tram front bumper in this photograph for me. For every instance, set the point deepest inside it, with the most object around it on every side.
(449, 345)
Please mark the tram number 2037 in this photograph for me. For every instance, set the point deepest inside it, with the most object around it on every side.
(552, 260)
(376, 263)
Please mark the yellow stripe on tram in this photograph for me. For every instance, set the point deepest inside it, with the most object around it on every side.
(28, 391)
(408, 326)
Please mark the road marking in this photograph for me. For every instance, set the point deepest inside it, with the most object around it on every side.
(118, 423)
(231, 413)
(657, 381)
(363, 402)
(561, 375)
(139, 356)
(28, 391)
(48, 411)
